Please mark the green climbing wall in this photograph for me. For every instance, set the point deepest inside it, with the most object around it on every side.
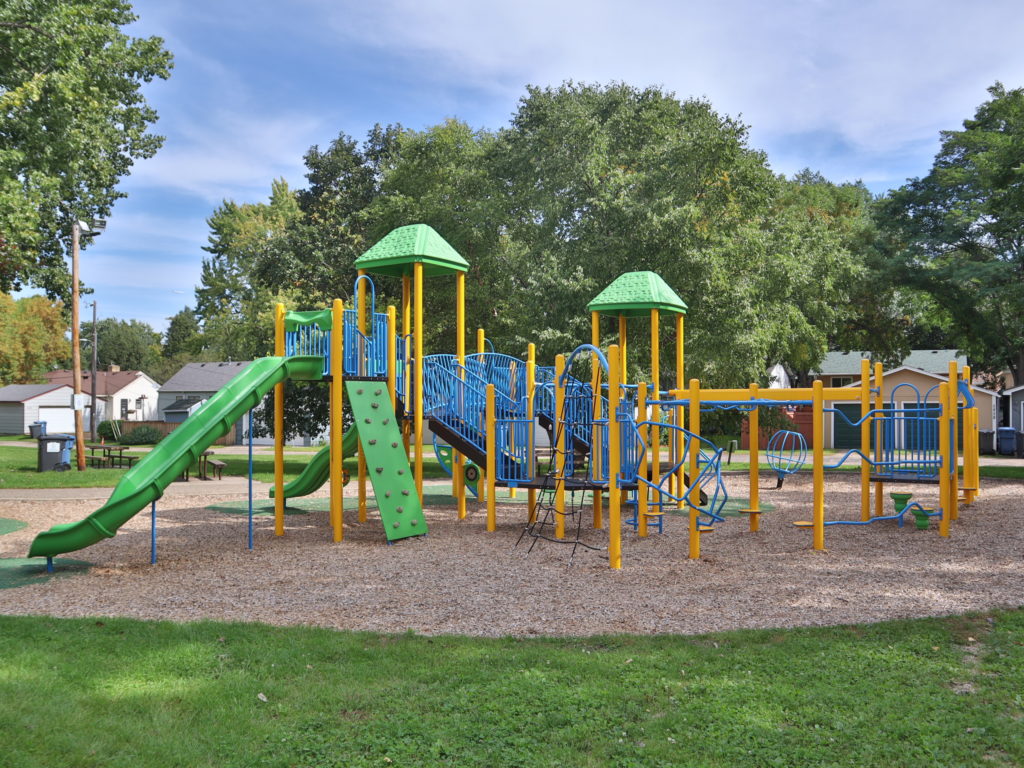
(381, 440)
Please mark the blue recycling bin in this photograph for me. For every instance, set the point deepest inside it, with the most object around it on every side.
(37, 429)
(1006, 441)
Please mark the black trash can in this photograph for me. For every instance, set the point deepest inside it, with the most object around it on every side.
(1006, 441)
(55, 453)
(1020, 445)
(37, 429)
(986, 442)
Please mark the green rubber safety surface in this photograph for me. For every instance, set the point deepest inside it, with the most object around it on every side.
(9, 525)
(262, 507)
(380, 439)
(22, 571)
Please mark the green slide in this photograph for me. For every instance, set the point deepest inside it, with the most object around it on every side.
(380, 436)
(145, 482)
(318, 471)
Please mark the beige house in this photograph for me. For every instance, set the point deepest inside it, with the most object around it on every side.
(903, 386)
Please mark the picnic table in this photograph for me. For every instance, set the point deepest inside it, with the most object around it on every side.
(202, 468)
(109, 456)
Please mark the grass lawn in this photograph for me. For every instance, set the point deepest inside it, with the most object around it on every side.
(117, 692)
(18, 469)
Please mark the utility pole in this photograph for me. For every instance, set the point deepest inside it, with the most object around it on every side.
(92, 415)
(76, 352)
(96, 227)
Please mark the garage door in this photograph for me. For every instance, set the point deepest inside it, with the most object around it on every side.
(57, 418)
(844, 435)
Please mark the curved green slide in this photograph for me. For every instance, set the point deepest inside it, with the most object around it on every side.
(318, 470)
(145, 482)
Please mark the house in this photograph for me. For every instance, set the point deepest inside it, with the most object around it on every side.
(840, 369)
(194, 384)
(917, 376)
(183, 393)
(1015, 397)
(125, 395)
(22, 404)
(904, 386)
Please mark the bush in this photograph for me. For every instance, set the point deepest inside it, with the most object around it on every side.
(105, 429)
(143, 436)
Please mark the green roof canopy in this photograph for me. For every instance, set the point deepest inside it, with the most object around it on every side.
(635, 294)
(416, 243)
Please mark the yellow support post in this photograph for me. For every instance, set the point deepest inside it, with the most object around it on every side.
(481, 487)
(279, 426)
(614, 449)
(694, 527)
(361, 461)
(865, 440)
(641, 489)
(458, 479)
(560, 433)
(971, 441)
(491, 460)
(595, 387)
(944, 453)
(417, 277)
(406, 353)
(622, 351)
(954, 453)
(754, 449)
(531, 387)
(819, 464)
(680, 415)
(336, 423)
(879, 439)
(655, 431)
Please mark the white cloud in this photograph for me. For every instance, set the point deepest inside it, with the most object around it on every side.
(880, 75)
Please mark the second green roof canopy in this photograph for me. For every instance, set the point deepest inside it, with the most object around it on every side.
(634, 294)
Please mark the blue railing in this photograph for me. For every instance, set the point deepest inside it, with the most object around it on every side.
(708, 479)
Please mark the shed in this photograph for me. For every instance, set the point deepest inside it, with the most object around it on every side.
(22, 404)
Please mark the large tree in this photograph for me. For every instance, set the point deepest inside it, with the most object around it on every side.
(130, 344)
(236, 310)
(958, 233)
(32, 338)
(72, 122)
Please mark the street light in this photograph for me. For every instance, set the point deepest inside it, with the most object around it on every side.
(79, 228)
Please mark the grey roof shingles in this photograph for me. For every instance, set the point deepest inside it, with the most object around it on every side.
(931, 360)
(19, 393)
(204, 377)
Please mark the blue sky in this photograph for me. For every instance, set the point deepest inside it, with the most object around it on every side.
(855, 90)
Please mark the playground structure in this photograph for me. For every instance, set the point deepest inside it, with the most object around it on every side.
(638, 444)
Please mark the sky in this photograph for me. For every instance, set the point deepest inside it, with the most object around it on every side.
(854, 90)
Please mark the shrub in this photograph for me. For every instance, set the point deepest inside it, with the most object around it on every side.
(143, 436)
(105, 429)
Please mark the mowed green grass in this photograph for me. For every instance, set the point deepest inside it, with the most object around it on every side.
(18, 469)
(117, 692)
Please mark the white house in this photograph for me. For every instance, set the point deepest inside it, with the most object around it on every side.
(22, 404)
(125, 395)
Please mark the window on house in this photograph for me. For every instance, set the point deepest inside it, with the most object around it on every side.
(140, 403)
(842, 381)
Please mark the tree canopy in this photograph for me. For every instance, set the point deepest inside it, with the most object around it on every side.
(72, 122)
(958, 233)
(32, 339)
(130, 344)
